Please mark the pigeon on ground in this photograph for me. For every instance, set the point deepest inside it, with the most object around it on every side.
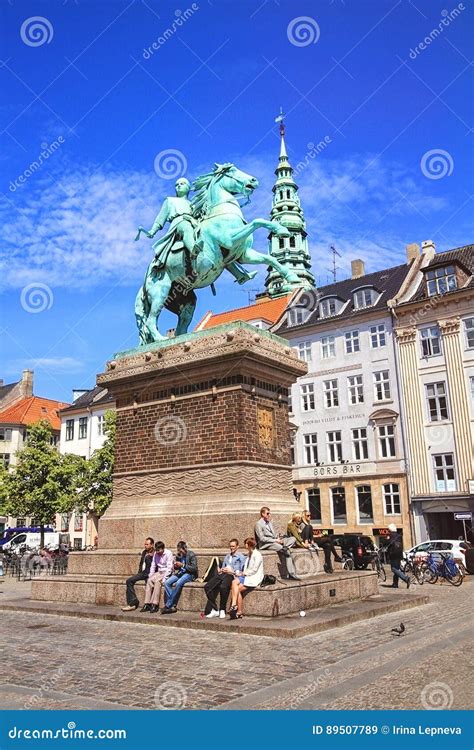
(399, 631)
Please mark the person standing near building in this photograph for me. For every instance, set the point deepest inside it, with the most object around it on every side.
(394, 551)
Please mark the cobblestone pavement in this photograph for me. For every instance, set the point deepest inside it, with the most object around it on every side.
(51, 661)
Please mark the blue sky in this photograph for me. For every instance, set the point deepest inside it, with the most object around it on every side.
(81, 85)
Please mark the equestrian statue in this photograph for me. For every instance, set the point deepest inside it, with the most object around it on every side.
(206, 235)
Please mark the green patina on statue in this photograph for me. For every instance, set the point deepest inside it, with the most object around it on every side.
(205, 236)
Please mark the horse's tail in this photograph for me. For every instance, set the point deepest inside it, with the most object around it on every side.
(142, 310)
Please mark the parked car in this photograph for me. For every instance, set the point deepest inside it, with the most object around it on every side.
(457, 547)
(359, 546)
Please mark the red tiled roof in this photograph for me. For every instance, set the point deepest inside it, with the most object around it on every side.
(30, 410)
(268, 310)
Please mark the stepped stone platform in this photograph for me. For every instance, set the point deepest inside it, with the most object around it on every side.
(99, 578)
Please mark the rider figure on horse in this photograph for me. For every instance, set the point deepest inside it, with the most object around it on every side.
(178, 212)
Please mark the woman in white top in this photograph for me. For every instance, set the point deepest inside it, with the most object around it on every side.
(251, 578)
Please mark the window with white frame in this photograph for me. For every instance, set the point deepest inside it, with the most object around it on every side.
(290, 401)
(307, 397)
(331, 397)
(387, 440)
(445, 479)
(377, 336)
(297, 315)
(338, 503)
(364, 504)
(363, 298)
(314, 504)
(351, 340)
(441, 280)
(360, 445)
(69, 429)
(328, 307)
(5, 460)
(292, 449)
(469, 329)
(311, 448)
(382, 385)
(304, 351)
(355, 389)
(101, 424)
(430, 341)
(437, 402)
(334, 444)
(328, 347)
(391, 499)
(5, 433)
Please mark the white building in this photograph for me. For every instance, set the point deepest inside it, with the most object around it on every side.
(82, 432)
(349, 458)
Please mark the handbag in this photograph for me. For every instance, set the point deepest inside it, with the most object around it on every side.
(268, 580)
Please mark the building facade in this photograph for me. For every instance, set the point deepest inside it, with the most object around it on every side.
(434, 327)
(81, 433)
(349, 456)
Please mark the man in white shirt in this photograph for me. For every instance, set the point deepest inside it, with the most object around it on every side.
(161, 569)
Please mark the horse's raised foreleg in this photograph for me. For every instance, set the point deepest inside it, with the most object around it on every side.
(248, 229)
(253, 256)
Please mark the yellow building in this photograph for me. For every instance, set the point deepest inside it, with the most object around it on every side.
(434, 327)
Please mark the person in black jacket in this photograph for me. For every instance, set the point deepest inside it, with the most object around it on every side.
(394, 552)
(142, 575)
(185, 569)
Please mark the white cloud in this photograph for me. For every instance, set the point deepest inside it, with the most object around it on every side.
(79, 231)
(58, 364)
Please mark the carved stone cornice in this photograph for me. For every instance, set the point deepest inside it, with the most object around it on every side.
(406, 335)
(450, 326)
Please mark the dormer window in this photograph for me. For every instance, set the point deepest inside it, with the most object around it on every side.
(329, 307)
(363, 298)
(297, 315)
(441, 280)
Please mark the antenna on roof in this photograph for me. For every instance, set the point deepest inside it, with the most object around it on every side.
(335, 267)
(250, 294)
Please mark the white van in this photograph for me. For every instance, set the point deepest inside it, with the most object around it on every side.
(52, 540)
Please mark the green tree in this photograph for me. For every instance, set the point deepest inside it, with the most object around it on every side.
(43, 481)
(95, 483)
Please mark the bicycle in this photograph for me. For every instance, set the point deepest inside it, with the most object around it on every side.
(444, 568)
(376, 563)
(414, 569)
(347, 561)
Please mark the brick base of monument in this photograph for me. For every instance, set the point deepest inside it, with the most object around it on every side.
(99, 578)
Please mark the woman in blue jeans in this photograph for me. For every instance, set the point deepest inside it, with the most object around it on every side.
(185, 569)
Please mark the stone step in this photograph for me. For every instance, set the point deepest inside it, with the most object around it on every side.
(283, 598)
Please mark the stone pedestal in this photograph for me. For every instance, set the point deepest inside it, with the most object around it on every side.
(203, 437)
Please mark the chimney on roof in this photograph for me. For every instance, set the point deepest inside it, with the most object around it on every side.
(357, 268)
(427, 246)
(413, 251)
(26, 384)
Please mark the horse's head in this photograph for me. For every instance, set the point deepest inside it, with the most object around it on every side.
(234, 180)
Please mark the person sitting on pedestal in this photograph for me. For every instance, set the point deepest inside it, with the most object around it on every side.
(185, 569)
(293, 529)
(327, 545)
(161, 569)
(251, 578)
(233, 564)
(142, 575)
(306, 530)
(268, 539)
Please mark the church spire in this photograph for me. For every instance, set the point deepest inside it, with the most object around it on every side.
(291, 251)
